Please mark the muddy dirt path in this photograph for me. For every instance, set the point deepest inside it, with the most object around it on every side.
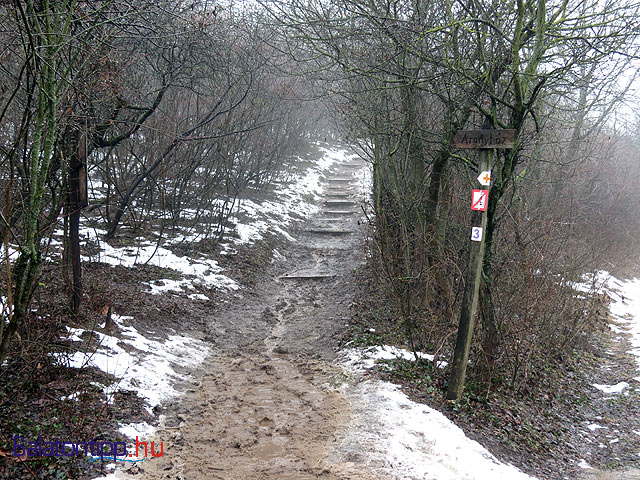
(266, 406)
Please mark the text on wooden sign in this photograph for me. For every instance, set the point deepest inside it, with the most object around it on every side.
(484, 138)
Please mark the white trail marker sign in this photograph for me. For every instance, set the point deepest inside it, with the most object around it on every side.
(485, 178)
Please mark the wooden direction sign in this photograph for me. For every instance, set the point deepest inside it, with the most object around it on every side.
(484, 138)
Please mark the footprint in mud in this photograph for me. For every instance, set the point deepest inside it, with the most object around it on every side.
(266, 422)
(268, 368)
(280, 304)
(268, 316)
(289, 310)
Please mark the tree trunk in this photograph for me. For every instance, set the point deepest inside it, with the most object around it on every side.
(77, 201)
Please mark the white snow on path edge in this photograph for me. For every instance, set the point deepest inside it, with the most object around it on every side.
(406, 440)
(145, 366)
(148, 368)
(625, 308)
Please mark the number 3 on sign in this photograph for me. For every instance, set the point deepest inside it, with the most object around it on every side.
(476, 234)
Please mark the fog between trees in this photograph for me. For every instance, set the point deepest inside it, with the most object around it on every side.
(172, 107)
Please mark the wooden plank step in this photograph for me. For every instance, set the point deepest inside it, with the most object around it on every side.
(307, 276)
(339, 212)
(328, 231)
(330, 222)
(340, 203)
(341, 179)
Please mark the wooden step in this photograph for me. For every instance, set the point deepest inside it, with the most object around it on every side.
(339, 212)
(307, 276)
(328, 231)
(341, 179)
(340, 203)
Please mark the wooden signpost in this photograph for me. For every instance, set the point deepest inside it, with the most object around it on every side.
(484, 140)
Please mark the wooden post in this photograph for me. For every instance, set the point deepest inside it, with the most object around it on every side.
(470, 297)
(485, 140)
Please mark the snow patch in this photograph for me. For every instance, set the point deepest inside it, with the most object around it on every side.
(361, 359)
(583, 464)
(198, 296)
(594, 426)
(617, 388)
(616, 329)
(141, 430)
(201, 271)
(593, 282)
(74, 396)
(145, 366)
(406, 440)
(625, 307)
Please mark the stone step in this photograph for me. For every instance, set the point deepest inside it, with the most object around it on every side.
(335, 223)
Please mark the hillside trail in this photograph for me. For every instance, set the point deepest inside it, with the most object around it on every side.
(270, 403)
(266, 404)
